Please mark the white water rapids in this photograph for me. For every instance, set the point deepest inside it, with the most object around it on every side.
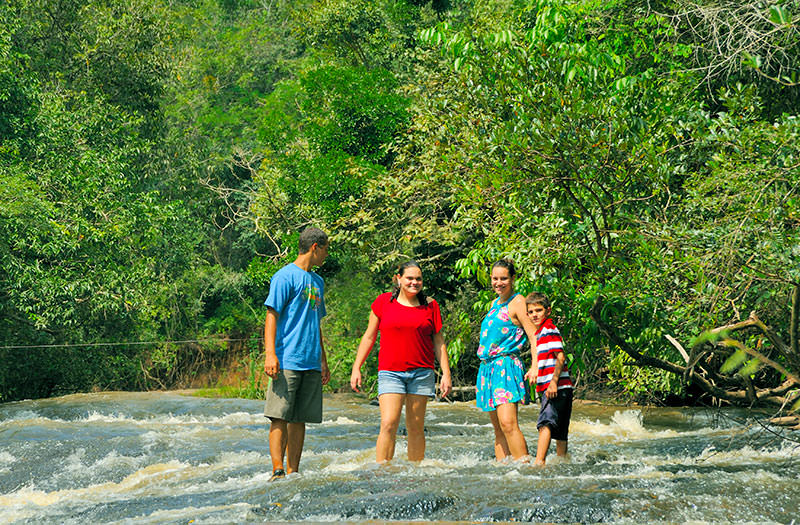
(170, 458)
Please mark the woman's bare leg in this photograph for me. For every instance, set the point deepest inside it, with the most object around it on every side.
(391, 406)
(415, 425)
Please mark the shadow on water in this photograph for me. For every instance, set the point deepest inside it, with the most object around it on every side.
(170, 458)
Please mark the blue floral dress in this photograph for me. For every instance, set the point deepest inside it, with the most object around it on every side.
(501, 375)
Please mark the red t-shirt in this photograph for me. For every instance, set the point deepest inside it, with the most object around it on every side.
(406, 333)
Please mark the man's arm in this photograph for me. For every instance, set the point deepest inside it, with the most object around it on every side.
(271, 364)
(326, 373)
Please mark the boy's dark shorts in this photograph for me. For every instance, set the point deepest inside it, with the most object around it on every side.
(295, 396)
(556, 413)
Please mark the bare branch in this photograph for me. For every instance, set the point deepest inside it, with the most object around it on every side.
(674, 342)
(736, 37)
(761, 357)
(754, 322)
(793, 324)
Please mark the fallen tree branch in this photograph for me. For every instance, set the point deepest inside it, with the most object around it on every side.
(674, 342)
(794, 344)
(754, 322)
(764, 359)
(786, 421)
(746, 396)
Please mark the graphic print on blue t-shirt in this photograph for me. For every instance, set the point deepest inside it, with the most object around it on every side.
(297, 296)
(313, 295)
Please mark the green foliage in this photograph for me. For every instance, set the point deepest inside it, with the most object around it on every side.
(90, 250)
(352, 110)
(641, 383)
(323, 152)
(254, 389)
(582, 142)
(158, 159)
(346, 27)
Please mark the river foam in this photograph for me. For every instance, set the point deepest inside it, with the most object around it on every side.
(158, 457)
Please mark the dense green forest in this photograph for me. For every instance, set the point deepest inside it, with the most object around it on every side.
(639, 161)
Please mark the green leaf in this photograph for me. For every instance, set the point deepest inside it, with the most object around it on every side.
(708, 337)
(750, 368)
(571, 73)
(753, 61)
(733, 362)
(779, 16)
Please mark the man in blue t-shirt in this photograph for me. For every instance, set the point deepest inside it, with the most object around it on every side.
(294, 354)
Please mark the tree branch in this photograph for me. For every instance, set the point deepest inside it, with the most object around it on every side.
(761, 357)
(742, 397)
(754, 322)
(586, 213)
(793, 324)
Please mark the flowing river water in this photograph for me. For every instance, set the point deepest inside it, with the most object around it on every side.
(170, 458)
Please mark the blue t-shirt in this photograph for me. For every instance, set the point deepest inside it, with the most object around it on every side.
(297, 297)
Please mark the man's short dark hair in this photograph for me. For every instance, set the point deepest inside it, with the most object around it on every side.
(308, 237)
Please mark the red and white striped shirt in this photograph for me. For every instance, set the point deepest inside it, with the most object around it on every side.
(548, 344)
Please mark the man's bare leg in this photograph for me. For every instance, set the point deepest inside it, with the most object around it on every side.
(294, 449)
(277, 442)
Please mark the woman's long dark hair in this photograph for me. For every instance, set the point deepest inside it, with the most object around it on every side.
(508, 264)
(423, 299)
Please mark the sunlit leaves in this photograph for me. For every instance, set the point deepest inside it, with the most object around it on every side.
(734, 362)
(347, 28)
(779, 15)
(353, 110)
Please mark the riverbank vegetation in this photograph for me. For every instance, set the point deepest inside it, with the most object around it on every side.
(637, 160)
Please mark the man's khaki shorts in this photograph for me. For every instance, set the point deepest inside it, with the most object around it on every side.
(295, 396)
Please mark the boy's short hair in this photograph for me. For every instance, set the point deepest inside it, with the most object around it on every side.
(537, 298)
(309, 236)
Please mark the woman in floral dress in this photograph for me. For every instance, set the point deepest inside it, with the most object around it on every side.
(501, 378)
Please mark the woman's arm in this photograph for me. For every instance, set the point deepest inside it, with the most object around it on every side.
(440, 352)
(518, 311)
(364, 348)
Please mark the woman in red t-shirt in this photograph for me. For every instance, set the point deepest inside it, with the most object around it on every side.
(410, 325)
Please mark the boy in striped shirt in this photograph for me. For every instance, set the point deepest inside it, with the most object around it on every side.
(552, 379)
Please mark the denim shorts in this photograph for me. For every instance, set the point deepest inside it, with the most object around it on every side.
(418, 381)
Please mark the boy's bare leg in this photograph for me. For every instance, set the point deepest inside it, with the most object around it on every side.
(277, 443)
(543, 445)
(561, 447)
(391, 405)
(294, 447)
(500, 444)
(415, 425)
(507, 417)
